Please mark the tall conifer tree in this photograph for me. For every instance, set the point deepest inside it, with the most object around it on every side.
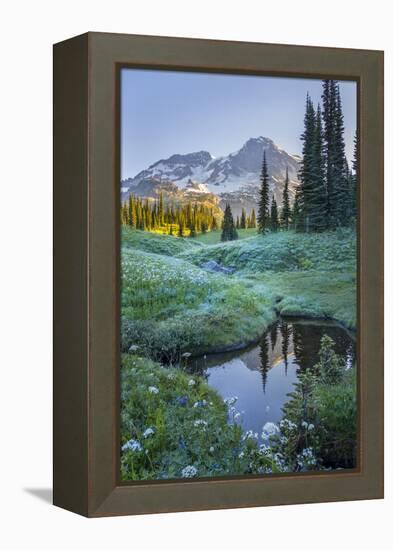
(274, 215)
(253, 220)
(286, 207)
(228, 232)
(318, 198)
(131, 212)
(296, 218)
(341, 194)
(243, 219)
(306, 189)
(263, 203)
(328, 115)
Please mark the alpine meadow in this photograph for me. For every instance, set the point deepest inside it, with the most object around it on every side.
(238, 275)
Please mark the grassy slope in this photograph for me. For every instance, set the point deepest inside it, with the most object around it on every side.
(214, 237)
(170, 305)
(311, 274)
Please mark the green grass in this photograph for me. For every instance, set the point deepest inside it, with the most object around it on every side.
(324, 294)
(156, 243)
(283, 251)
(170, 305)
(214, 237)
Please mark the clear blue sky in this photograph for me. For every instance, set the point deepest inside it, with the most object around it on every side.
(165, 112)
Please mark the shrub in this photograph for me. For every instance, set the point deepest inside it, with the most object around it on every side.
(318, 430)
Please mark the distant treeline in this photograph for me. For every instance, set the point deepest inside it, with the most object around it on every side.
(187, 220)
(148, 215)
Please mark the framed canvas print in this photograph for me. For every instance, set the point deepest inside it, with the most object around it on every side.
(218, 249)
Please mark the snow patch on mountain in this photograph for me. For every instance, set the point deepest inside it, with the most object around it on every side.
(230, 177)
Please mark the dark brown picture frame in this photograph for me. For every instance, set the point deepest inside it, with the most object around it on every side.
(86, 274)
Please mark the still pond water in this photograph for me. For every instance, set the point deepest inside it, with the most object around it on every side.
(262, 375)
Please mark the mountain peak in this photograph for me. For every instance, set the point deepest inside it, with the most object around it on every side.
(198, 158)
(236, 174)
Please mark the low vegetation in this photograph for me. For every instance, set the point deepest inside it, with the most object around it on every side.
(174, 425)
(172, 305)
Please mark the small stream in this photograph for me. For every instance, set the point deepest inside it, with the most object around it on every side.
(262, 375)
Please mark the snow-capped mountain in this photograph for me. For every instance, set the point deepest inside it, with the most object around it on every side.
(233, 178)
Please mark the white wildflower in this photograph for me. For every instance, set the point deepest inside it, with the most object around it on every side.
(132, 348)
(148, 432)
(132, 445)
(153, 389)
(191, 382)
(200, 423)
(286, 424)
(211, 449)
(189, 471)
(202, 403)
(250, 435)
(264, 450)
(270, 428)
(308, 452)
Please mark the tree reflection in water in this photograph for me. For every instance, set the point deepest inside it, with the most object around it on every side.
(301, 339)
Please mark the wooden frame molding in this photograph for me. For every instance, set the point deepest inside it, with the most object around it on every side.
(86, 273)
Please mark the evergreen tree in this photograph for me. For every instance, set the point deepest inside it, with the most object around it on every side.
(318, 198)
(228, 230)
(131, 212)
(341, 193)
(312, 200)
(124, 214)
(296, 218)
(253, 221)
(286, 207)
(237, 222)
(263, 203)
(306, 189)
(243, 219)
(328, 114)
(161, 210)
(338, 203)
(274, 215)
